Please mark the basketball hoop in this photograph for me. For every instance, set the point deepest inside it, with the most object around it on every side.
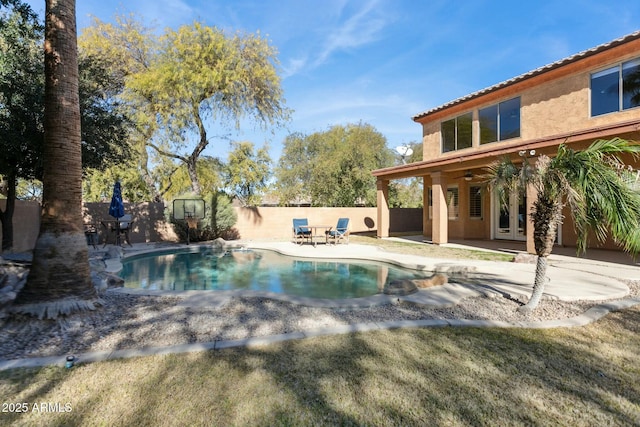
(190, 211)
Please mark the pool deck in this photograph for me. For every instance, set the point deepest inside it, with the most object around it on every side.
(570, 279)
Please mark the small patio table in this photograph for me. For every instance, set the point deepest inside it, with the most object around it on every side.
(314, 232)
(112, 226)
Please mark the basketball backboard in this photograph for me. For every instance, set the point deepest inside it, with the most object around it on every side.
(188, 208)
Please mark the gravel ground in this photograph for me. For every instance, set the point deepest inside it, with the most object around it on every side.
(128, 321)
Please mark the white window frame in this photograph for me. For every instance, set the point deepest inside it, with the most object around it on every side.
(481, 193)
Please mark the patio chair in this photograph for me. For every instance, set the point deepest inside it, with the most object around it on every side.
(300, 230)
(91, 234)
(125, 226)
(341, 232)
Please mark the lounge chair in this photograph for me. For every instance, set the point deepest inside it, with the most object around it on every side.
(300, 230)
(341, 232)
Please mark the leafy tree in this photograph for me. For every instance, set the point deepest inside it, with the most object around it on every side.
(200, 74)
(294, 170)
(247, 172)
(29, 189)
(332, 168)
(21, 104)
(594, 183)
(174, 179)
(407, 192)
(126, 48)
(59, 280)
(104, 130)
(97, 185)
(189, 79)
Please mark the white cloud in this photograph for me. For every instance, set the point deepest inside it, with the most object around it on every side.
(293, 66)
(363, 27)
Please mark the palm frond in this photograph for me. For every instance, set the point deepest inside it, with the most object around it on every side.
(601, 196)
(504, 177)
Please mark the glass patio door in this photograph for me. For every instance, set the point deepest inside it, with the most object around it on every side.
(511, 220)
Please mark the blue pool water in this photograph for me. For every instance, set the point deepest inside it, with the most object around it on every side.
(256, 270)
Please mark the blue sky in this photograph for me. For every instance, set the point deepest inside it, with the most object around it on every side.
(383, 61)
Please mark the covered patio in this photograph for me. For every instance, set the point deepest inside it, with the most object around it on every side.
(457, 206)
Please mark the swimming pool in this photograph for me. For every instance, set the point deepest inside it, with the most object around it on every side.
(260, 270)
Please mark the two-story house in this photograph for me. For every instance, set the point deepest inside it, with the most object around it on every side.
(591, 95)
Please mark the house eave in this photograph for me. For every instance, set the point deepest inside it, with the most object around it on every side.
(463, 158)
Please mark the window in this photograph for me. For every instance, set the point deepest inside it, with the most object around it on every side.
(616, 88)
(456, 133)
(631, 84)
(452, 202)
(475, 202)
(500, 121)
(488, 118)
(605, 88)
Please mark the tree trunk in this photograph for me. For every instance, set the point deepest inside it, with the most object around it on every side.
(538, 285)
(192, 161)
(59, 281)
(146, 176)
(6, 216)
(546, 215)
(193, 175)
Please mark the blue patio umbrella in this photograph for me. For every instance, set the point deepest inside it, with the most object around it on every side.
(116, 208)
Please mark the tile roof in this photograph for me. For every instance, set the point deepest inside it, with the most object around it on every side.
(537, 71)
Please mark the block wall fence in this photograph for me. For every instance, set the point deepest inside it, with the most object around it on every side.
(252, 224)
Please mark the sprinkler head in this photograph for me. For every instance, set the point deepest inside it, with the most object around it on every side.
(69, 363)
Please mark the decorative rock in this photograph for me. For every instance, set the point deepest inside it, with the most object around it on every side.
(99, 282)
(438, 279)
(219, 243)
(12, 278)
(400, 287)
(114, 281)
(114, 252)
(97, 264)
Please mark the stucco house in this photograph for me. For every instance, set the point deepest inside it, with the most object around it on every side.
(587, 96)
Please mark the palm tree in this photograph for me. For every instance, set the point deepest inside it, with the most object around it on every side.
(59, 280)
(595, 183)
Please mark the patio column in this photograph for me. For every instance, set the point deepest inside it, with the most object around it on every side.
(440, 214)
(383, 208)
(426, 183)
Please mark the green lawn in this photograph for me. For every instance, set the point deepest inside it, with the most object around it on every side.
(433, 251)
(586, 376)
